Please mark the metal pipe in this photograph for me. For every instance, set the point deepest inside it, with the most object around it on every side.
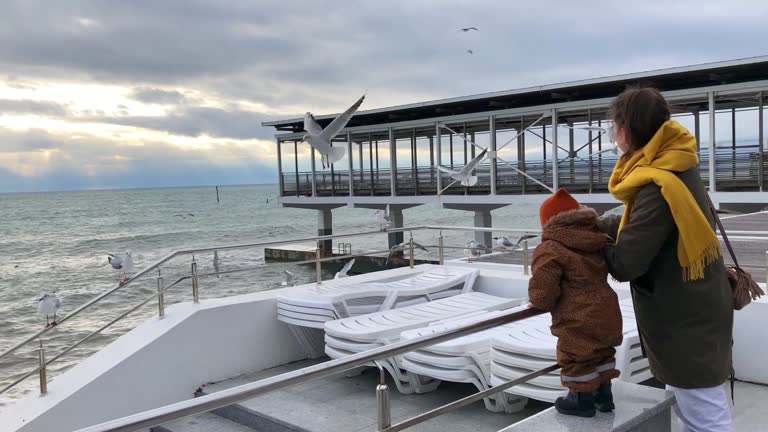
(421, 418)
(318, 266)
(383, 407)
(160, 295)
(492, 152)
(555, 170)
(526, 270)
(233, 395)
(195, 286)
(43, 371)
(410, 252)
(441, 251)
(766, 269)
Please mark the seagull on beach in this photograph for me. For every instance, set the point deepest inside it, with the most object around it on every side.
(320, 139)
(401, 247)
(287, 278)
(123, 262)
(344, 270)
(466, 29)
(48, 304)
(465, 175)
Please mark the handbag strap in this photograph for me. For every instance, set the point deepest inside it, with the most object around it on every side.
(722, 231)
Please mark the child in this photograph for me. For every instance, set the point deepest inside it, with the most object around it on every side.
(570, 280)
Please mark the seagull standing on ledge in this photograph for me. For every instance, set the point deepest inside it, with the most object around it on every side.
(320, 139)
(48, 304)
(121, 262)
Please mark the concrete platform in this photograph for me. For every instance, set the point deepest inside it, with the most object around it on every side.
(349, 404)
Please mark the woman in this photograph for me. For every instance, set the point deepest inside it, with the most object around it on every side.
(665, 245)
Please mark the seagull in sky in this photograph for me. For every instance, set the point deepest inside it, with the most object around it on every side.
(466, 29)
(320, 139)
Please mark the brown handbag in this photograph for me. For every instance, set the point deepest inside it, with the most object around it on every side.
(744, 288)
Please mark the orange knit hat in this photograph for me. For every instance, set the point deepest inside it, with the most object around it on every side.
(559, 202)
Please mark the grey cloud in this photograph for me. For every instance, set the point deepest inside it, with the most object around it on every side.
(26, 106)
(158, 96)
(314, 53)
(196, 121)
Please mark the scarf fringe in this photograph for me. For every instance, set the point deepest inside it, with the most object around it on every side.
(695, 269)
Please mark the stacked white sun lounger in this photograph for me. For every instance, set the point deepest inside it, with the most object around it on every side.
(306, 309)
(520, 351)
(352, 335)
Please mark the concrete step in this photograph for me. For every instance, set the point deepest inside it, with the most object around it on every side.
(206, 422)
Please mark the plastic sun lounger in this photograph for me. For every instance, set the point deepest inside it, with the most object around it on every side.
(314, 305)
(519, 352)
(352, 335)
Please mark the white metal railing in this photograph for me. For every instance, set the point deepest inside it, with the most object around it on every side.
(248, 391)
(194, 276)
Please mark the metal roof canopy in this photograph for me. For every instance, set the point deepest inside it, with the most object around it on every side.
(679, 78)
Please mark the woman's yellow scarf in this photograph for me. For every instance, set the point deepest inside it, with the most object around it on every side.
(671, 150)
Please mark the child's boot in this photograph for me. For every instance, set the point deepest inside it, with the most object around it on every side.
(604, 398)
(581, 404)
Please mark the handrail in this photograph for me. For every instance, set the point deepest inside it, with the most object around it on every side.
(243, 392)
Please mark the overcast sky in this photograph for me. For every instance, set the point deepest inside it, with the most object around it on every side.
(141, 93)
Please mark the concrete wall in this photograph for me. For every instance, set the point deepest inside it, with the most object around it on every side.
(161, 362)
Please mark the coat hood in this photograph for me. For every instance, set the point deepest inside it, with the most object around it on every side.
(576, 230)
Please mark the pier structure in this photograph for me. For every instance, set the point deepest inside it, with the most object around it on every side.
(538, 138)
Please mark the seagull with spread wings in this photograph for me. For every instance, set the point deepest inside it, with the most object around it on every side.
(320, 139)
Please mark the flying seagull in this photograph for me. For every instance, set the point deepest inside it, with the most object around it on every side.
(48, 304)
(524, 238)
(401, 247)
(466, 29)
(320, 139)
(465, 175)
(344, 270)
(180, 215)
(287, 278)
(470, 52)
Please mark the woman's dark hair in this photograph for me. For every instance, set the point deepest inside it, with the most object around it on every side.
(640, 111)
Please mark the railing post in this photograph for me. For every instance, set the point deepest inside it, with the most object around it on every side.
(410, 252)
(766, 269)
(383, 412)
(526, 270)
(195, 283)
(160, 295)
(43, 372)
(318, 266)
(440, 256)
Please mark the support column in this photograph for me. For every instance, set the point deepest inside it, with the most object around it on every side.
(349, 159)
(439, 153)
(280, 166)
(712, 182)
(396, 214)
(370, 163)
(760, 145)
(325, 227)
(296, 165)
(697, 129)
(392, 162)
(483, 219)
(314, 176)
(555, 180)
(492, 155)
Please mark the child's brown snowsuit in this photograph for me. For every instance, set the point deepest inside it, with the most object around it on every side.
(570, 279)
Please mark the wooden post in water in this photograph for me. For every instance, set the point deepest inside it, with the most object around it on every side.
(217, 195)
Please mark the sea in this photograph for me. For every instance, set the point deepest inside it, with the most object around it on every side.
(59, 242)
